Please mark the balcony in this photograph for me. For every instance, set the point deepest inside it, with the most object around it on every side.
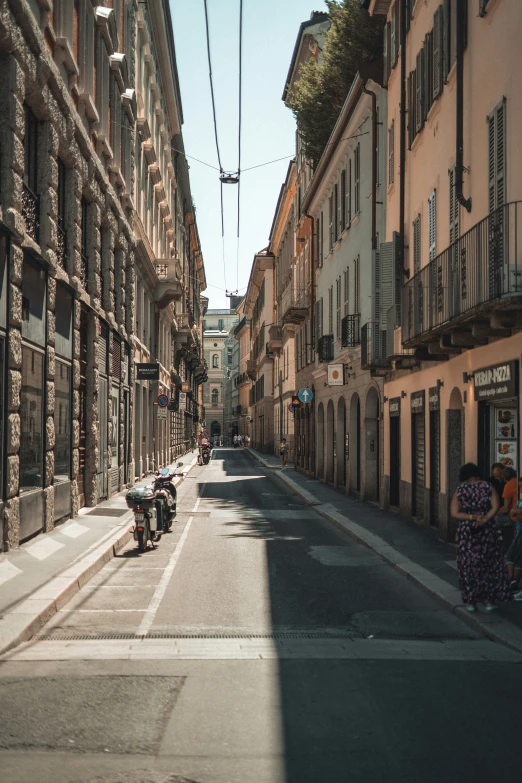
(295, 303)
(61, 244)
(476, 279)
(251, 369)
(168, 287)
(325, 348)
(242, 379)
(374, 349)
(275, 339)
(31, 213)
(351, 331)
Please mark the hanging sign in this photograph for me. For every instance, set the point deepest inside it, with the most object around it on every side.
(496, 382)
(395, 407)
(182, 401)
(163, 400)
(335, 375)
(162, 413)
(147, 372)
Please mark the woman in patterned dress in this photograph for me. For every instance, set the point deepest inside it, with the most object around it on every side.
(482, 569)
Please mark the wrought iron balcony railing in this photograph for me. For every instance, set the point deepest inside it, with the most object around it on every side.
(61, 244)
(482, 269)
(295, 302)
(351, 330)
(31, 212)
(325, 348)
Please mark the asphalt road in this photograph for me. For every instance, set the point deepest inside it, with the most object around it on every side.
(256, 644)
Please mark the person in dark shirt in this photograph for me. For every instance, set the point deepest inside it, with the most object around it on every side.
(496, 480)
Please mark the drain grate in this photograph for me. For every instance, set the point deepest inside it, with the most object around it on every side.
(61, 637)
(106, 511)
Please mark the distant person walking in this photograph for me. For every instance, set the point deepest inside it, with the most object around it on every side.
(483, 576)
(283, 453)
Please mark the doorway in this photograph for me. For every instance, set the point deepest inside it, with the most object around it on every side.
(355, 443)
(341, 443)
(454, 451)
(395, 460)
(103, 472)
(434, 467)
(418, 432)
(330, 442)
(320, 442)
(82, 394)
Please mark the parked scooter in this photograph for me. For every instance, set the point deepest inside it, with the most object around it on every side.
(154, 507)
(204, 454)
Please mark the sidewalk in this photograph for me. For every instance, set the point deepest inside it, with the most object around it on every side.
(37, 579)
(410, 548)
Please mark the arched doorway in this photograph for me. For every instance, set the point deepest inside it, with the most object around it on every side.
(372, 445)
(454, 450)
(355, 443)
(215, 429)
(341, 443)
(330, 442)
(320, 442)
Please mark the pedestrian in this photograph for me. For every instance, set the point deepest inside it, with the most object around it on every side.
(483, 576)
(496, 479)
(283, 453)
(509, 501)
(514, 553)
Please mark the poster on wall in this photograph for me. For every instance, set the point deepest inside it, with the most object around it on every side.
(506, 422)
(507, 453)
(506, 433)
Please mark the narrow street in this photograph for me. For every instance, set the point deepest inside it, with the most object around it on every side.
(259, 644)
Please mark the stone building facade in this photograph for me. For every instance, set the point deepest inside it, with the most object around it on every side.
(219, 358)
(68, 114)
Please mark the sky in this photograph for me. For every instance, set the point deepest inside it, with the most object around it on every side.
(270, 29)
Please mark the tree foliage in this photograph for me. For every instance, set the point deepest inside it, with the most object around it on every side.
(318, 95)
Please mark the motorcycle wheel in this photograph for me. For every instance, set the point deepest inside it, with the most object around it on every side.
(142, 541)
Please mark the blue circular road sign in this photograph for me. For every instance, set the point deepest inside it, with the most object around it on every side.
(163, 400)
(305, 394)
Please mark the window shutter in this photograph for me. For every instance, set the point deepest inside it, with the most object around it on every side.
(397, 274)
(349, 194)
(386, 277)
(391, 153)
(386, 53)
(496, 156)
(432, 221)
(330, 310)
(419, 92)
(330, 224)
(321, 251)
(446, 39)
(438, 33)
(337, 212)
(318, 242)
(357, 286)
(347, 291)
(408, 14)
(454, 209)
(393, 36)
(357, 176)
(416, 245)
(376, 289)
(116, 360)
(342, 205)
(428, 73)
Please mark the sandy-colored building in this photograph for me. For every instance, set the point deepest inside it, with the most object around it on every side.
(454, 211)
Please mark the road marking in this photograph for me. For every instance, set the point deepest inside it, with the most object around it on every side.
(98, 611)
(74, 530)
(8, 571)
(44, 549)
(160, 590)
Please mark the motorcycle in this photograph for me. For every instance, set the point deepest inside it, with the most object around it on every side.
(154, 508)
(204, 455)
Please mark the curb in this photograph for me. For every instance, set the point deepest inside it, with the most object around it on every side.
(495, 627)
(29, 616)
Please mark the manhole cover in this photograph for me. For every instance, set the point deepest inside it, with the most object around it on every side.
(101, 511)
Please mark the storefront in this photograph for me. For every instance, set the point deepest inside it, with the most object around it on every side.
(496, 392)
(418, 450)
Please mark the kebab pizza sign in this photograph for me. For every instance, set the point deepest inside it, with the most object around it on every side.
(497, 382)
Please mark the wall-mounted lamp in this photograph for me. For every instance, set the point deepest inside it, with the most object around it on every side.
(440, 384)
(404, 394)
(385, 399)
(466, 378)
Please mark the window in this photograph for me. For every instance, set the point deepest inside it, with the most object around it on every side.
(391, 153)
(62, 422)
(342, 222)
(497, 157)
(377, 150)
(229, 355)
(221, 324)
(416, 244)
(30, 151)
(338, 308)
(32, 419)
(83, 246)
(437, 52)
(330, 222)
(357, 178)
(349, 195)
(319, 260)
(346, 276)
(215, 397)
(357, 285)
(330, 310)
(321, 255)
(432, 225)
(419, 92)
(215, 361)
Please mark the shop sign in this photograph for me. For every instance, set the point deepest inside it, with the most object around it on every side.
(335, 375)
(162, 414)
(395, 406)
(496, 382)
(434, 398)
(417, 402)
(182, 401)
(147, 372)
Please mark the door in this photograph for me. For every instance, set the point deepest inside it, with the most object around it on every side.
(103, 444)
(419, 457)
(434, 467)
(83, 409)
(395, 460)
(126, 437)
